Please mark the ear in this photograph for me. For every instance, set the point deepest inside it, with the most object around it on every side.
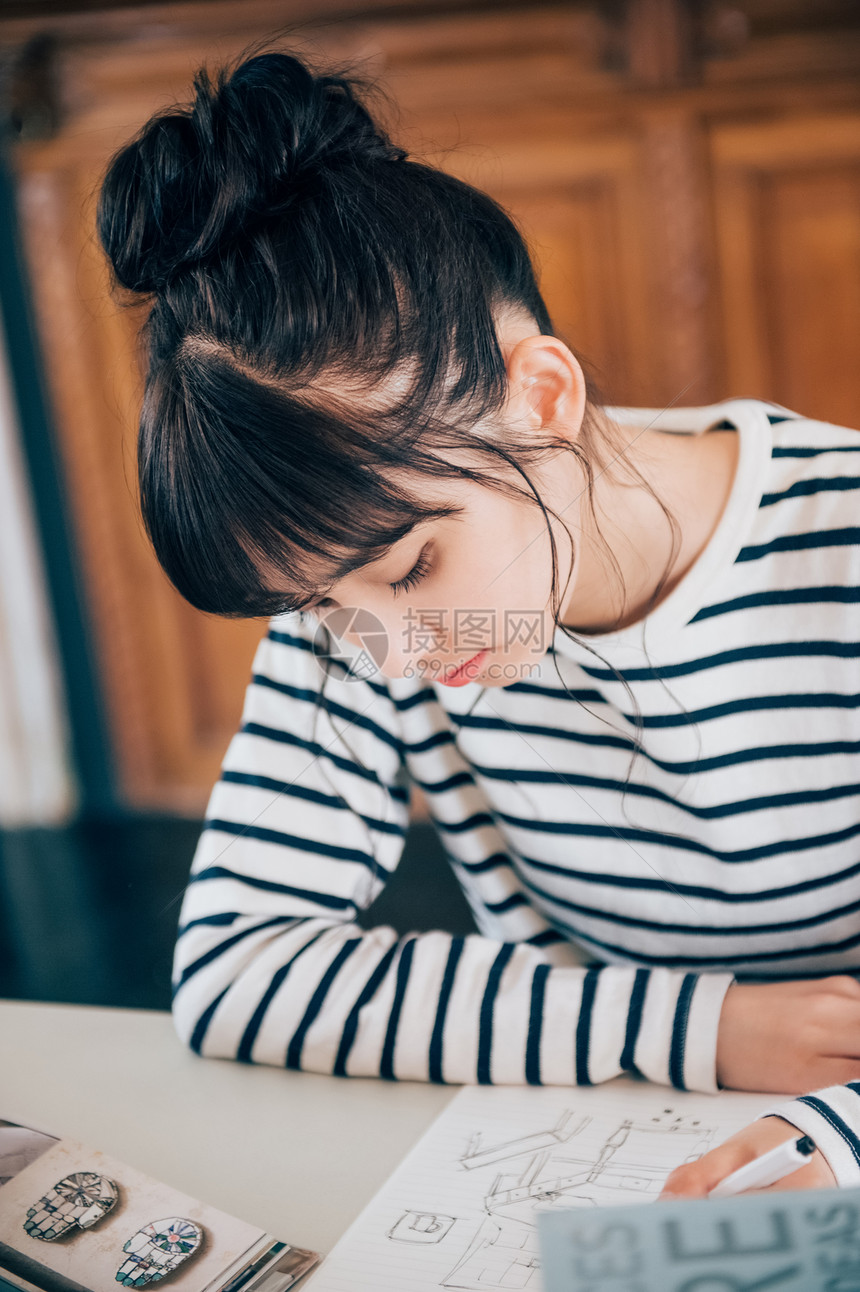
(546, 386)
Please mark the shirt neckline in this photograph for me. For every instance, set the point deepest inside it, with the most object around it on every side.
(749, 417)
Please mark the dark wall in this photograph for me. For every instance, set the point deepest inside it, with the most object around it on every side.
(88, 914)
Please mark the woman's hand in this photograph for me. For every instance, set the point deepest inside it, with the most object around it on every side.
(696, 1179)
(790, 1037)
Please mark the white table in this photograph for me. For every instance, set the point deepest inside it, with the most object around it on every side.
(295, 1153)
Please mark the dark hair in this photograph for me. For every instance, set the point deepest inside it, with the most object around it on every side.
(296, 258)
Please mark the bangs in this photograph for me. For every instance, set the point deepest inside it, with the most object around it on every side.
(256, 487)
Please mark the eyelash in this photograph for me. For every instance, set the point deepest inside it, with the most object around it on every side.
(419, 571)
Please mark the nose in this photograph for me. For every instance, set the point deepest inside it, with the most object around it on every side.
(401, 640)
(418, 642)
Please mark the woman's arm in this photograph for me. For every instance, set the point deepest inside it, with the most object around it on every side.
(789, 1036)
(303, 829)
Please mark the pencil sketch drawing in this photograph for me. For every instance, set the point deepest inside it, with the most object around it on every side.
(565, 1128)
(421, 1227)
(564, 1165)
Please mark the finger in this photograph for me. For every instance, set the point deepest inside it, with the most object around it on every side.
(696, 1179)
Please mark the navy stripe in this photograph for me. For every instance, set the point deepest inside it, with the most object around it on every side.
(679, 1031)
(386, 1063)
(353, 717)
(717, 963)
(438, 1036)
(350, 1027)
(334, 665)
(589, 696)
(782, 597)
(498, 860)
(512, 903)
(287, 639)
(269, 886)
(533, 1038)
(485, 1021)
(449, 783)
(716, 812)
(435, 741)
(404, 703)
(548, 938)
(815, 453)
(578, 829)
(688, 890)
(812, 1101)
(459, 827)
(198, 1036)
(312, 747)
(750, 704)
(583, 1026)
(681, 767)
(771, 650)
(337, 852)
(214, 952)
(634, 1020)
(252, 1028)
(294, 1049)
(336, 802)
(804, 488)
(218, 919)
(690, 930)
(801, 543)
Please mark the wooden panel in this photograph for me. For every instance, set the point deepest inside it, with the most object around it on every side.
(588, 245)
(788, 219)
(173, 677)
(606, 159)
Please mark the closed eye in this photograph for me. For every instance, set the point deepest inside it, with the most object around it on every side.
(419, 571)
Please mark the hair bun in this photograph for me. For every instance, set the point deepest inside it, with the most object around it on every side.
(248, 147)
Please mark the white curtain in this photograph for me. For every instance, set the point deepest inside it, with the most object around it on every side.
(37, 785)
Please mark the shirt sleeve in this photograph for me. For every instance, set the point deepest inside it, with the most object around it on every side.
(832, 1118)
(302, 831)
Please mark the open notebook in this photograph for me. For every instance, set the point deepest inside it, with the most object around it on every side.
(461, 1210)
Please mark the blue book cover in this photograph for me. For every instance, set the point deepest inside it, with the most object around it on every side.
(774, 1241)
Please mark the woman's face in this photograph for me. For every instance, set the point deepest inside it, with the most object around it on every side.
(467, 597)
(472, 589)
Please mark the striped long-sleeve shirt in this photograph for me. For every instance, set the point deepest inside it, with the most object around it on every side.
(649, 813)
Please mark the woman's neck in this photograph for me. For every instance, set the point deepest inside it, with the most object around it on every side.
(692, 476)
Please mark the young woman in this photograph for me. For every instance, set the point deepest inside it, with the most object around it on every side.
(616, 648)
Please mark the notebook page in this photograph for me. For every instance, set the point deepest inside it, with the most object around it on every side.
(460, 1210)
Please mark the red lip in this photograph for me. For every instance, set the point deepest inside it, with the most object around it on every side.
(466, 672)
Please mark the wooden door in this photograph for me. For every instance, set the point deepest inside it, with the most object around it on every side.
(787, 204)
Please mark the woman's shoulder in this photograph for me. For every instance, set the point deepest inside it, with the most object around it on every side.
(800, 431)
(812, 483)
(807, 448)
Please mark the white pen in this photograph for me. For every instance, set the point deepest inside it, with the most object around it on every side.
(767, 1169)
